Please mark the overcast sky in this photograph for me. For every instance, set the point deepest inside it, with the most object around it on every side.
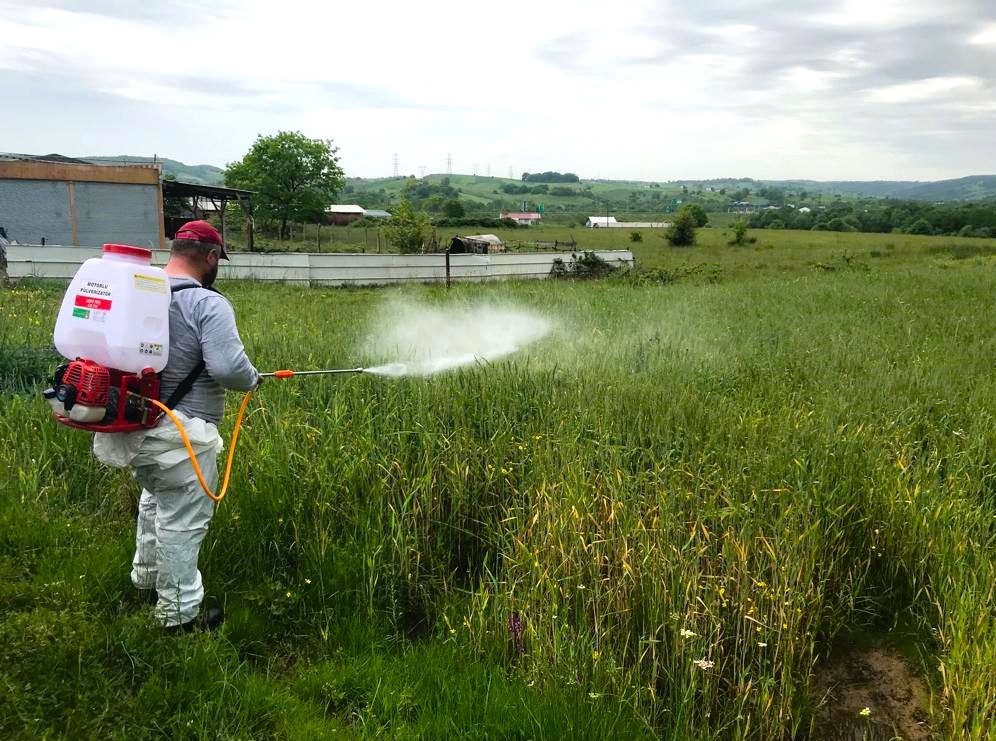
(653, 89)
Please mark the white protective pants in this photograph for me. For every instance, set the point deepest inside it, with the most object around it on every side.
(173, 512)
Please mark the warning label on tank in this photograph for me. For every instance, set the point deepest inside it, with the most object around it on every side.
(150, 348)
(92, 302)
(81, 313)
(151, 283)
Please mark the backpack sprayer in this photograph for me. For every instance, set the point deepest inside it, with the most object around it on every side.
(114, 324)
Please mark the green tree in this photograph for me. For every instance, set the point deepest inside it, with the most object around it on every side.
(407, 229)
(701, 218)
(681, 233)
(295, 178)
(920, 226)
(454, 209)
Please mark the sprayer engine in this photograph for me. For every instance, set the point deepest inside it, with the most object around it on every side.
(89, 396)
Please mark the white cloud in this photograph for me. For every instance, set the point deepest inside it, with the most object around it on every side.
(649, 88)
(921, 90)
(986, 36)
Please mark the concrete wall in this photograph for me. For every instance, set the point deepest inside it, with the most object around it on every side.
(340, 269)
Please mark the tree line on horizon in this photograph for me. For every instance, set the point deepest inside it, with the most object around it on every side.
(975, 219)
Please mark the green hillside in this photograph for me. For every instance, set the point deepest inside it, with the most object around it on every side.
(482, 195)
(196, 174)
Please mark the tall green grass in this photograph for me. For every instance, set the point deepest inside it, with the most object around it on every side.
(654, 523)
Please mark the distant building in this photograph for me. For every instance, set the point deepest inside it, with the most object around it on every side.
(342, 215)
(51, 199)
(805, 210)
(524, 218)
(609, 222)
(745, 207)
(594, 222)
(376, 213)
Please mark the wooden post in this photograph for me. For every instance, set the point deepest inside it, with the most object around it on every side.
(319, 238)
(250, 236)
(224, 205)
(447, 267)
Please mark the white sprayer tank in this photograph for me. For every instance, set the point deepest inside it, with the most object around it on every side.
(116, 311)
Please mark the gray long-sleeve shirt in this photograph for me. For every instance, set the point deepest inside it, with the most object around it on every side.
(202, 325)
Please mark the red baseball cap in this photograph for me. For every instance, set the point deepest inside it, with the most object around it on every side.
(201, 231)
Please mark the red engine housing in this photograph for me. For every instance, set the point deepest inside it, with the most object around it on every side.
(91, 381)
(124, 397)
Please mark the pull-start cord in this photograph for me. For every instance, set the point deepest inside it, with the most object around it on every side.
(193, 456)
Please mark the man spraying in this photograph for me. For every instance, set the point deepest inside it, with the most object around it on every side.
(206, 357)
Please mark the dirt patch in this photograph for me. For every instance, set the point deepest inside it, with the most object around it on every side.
(870, 694)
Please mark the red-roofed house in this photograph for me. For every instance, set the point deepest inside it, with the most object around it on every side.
(525, 218)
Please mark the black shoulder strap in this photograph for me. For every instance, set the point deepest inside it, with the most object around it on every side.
(188, 382)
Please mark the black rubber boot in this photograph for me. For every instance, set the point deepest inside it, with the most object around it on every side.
(210, 619)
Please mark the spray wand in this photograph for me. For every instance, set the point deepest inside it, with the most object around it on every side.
(291, 373)
(279, 374)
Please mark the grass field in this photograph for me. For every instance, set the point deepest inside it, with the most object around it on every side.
(661, 522)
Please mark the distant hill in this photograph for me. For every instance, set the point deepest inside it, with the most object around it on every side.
(483, 191)
(196, 174)
(971, 188)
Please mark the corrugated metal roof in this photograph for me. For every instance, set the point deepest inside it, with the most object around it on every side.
(345, 209)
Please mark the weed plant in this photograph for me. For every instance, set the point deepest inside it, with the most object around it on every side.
(652, 524)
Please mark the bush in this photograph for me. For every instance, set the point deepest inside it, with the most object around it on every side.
(454, 209)
(481, 222)
(407, 229)
(581, 267)
(920, 226)
(837, 224)
(975, 231)
(681, 233)
(635, 237)
(368, 222)
(739, 232)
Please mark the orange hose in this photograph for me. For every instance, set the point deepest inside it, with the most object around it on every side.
(193, 456)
